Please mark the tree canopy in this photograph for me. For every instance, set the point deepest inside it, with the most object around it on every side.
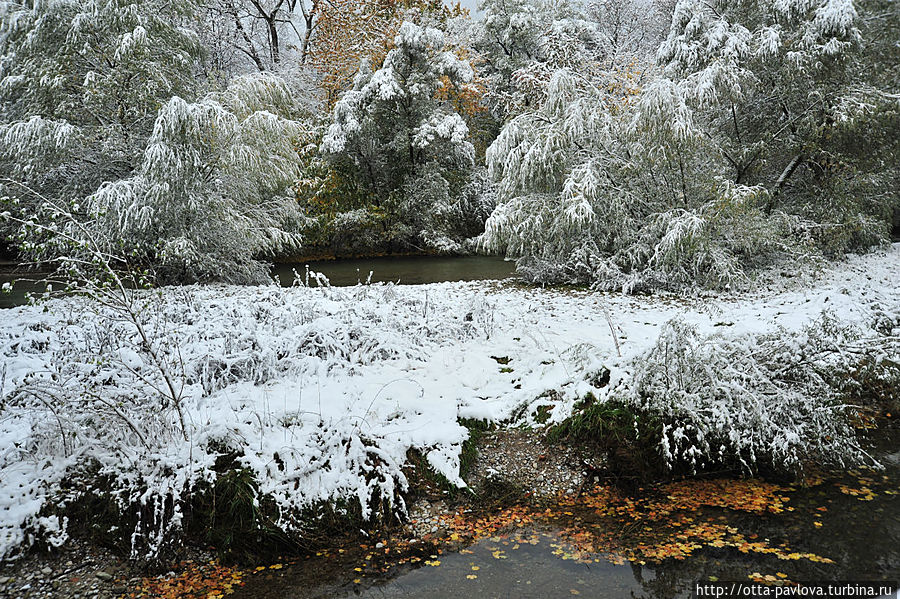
(631, 145)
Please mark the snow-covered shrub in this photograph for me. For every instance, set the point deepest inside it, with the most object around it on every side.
(264, 377)
(756, 401)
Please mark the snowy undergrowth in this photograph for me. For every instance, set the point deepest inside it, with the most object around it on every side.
(321, 392)
(269, 375)
(776, 400)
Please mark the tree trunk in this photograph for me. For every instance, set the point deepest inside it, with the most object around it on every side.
(785, 175)
(273, 39)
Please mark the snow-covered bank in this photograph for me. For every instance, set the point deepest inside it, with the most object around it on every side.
(322, 391)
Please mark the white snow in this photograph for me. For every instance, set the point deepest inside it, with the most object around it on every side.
(324, 390)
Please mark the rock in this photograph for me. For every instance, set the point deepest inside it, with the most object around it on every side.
(4, 579)
(104, 576)
(46, 570)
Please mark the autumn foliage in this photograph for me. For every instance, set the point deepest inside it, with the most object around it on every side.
(351, 31)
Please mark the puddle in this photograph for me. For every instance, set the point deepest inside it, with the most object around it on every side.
(656, 544)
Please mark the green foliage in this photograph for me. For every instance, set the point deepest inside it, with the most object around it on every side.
(400, 150)
(628, 437)
(231, 515)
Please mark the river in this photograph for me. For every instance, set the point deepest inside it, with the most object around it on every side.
(403, 270)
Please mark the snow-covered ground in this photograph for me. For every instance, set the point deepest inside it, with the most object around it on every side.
(324, 390)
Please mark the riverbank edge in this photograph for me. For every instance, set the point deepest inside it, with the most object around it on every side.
(507, 467)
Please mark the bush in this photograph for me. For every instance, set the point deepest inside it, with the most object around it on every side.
(773, 401)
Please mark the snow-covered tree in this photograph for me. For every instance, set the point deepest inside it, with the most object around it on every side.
(215, 188)
(630, 29)
(697, 176)
(396, 136)
(522, 44)
(80, 85)
(785, 88)
(625, 193)
(98, 110)
(261, 34)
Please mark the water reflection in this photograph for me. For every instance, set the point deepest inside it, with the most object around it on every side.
(839, 528)
(405, 270)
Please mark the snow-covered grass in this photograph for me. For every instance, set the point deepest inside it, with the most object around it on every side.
(321, 392)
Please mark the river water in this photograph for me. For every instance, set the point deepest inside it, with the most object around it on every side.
(403, 270)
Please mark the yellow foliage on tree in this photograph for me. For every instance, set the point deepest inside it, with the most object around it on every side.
(349, 31)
